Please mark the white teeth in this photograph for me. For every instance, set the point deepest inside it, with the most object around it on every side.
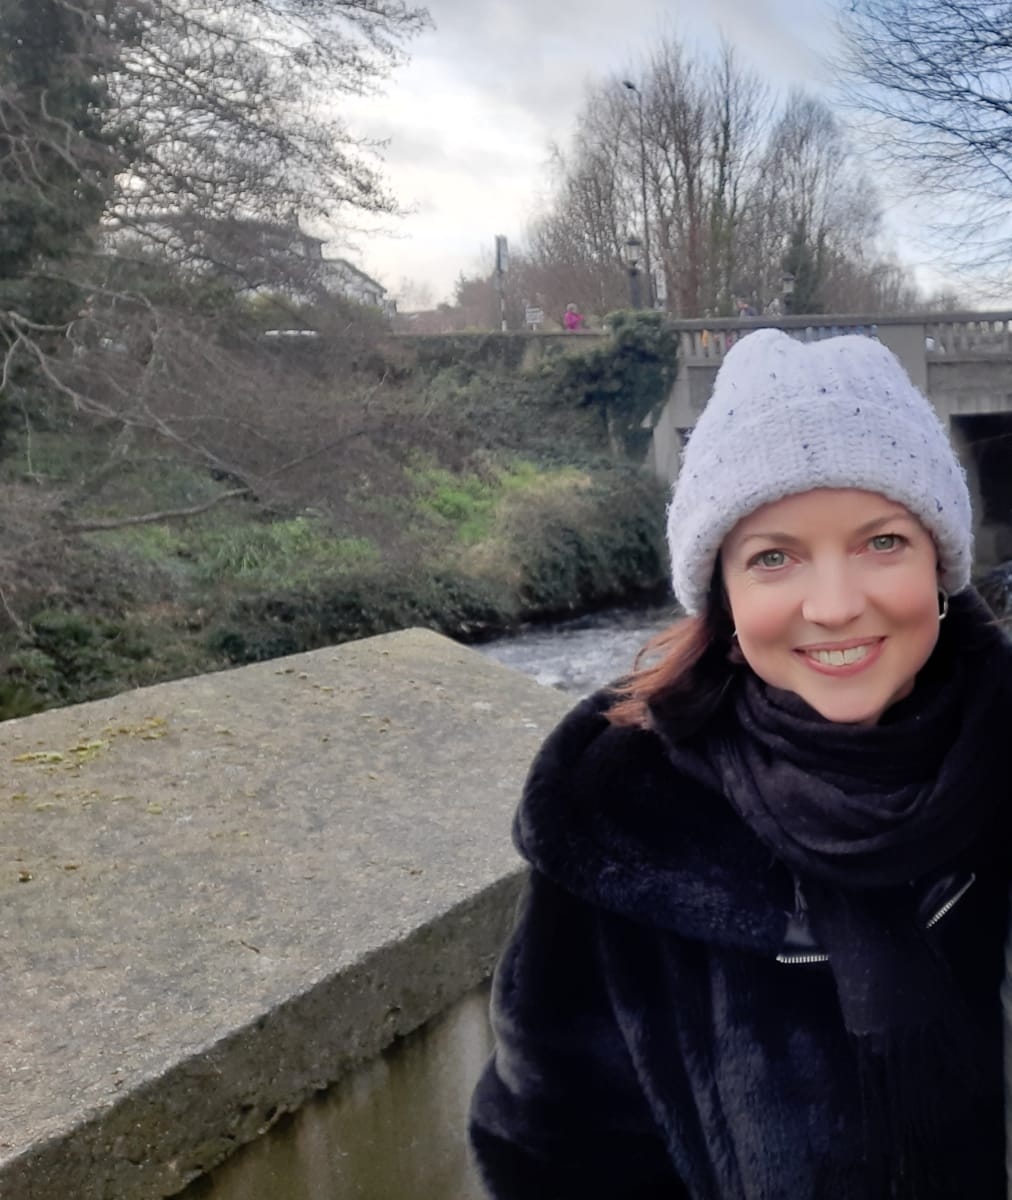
(839, 658)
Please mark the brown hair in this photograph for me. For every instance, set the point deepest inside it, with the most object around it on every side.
(687, 670)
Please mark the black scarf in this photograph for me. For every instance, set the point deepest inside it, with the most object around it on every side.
(859, 814)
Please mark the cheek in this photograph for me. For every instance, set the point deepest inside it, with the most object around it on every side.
(910, 606)
(912, 600)
(919, 614)
(761, 615)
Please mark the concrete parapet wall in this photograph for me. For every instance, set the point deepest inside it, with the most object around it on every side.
(222, 894)
(970, 387)
(393, 1129)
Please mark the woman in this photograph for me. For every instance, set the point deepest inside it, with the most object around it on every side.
(761, 945)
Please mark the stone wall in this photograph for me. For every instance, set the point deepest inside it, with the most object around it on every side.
(392, 1129)
(223, 894)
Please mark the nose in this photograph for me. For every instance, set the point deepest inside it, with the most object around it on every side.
(834, 596)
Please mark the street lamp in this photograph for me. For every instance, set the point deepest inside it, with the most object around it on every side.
(787, 291)
(627, 83)
(633, 249)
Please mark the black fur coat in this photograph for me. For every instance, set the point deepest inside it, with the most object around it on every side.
(650, 1044)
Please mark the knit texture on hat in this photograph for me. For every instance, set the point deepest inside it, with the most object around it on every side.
(786, 417)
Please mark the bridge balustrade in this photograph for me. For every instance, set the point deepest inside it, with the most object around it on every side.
(705, 341)
(976, 335)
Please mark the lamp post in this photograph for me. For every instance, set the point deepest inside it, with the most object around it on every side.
(787, 291)
(633, 247)
(502, 258)
(627, 83)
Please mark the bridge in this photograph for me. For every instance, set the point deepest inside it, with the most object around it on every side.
(961, 361)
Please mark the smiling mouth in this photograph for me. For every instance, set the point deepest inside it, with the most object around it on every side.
(841, 658)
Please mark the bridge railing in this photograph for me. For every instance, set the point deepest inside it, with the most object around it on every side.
(972, 335)
(705, 341)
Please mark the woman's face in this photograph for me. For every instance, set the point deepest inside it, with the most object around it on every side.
(834, 594)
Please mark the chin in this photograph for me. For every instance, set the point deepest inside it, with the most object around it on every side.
(850, 710)
(849, 714)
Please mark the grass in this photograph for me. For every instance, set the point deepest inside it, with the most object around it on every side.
(281, 553)
(470, 506)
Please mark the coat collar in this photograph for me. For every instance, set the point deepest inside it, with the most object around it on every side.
(607, 815)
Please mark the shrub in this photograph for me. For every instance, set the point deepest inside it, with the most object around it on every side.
(627, 380)
(272, 624)
(501, 350)
(65, 657)
(587, 541)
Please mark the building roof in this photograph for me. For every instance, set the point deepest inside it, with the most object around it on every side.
(356, 271)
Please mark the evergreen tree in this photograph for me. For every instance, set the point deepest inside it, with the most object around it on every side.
(56, 154)
(805, 262)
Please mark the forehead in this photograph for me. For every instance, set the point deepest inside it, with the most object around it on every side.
(823, 510)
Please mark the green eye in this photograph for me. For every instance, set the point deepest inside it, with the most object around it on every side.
(885, 541)
(771, 558)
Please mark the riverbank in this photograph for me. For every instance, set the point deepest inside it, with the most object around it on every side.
(466, 496)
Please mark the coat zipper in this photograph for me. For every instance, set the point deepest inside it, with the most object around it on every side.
(801, 959)
(794, 960)
(952, 901)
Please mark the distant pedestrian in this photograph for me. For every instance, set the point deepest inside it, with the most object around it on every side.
(572, 319)
(746, 308)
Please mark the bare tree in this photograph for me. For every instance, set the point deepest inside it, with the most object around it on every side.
(815, 212)
(212, 110)
(738, 191)
(194, 131)
(704, 125)
(576, 247)
(936, 78)
(226, 97)
(413, 294)
(740, 107)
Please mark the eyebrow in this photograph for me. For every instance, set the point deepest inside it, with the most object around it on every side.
(899, 514)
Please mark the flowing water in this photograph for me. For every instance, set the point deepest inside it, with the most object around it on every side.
(582, 654)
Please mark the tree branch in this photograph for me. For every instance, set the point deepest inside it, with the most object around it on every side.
(154, 518)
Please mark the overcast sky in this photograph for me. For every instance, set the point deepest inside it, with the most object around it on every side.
(470, 119)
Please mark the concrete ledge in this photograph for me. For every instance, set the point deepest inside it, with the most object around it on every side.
(219, 895)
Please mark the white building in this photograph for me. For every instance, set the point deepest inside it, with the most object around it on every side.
(341, 278)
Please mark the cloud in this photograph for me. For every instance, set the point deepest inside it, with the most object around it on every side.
(786, 39)
(470, 119)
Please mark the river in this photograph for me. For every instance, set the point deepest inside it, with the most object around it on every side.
(581, 654)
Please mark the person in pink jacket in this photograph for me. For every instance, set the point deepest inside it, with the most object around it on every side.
(572, 319)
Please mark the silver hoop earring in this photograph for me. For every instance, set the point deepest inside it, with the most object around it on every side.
(943, 604)
(734, 634)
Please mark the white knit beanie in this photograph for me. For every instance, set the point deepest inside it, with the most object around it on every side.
(786, 417)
